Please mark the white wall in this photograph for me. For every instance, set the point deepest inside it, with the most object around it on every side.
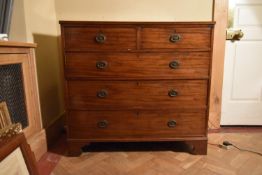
(40, 18)
(35, 21)
(18, 25)
(134, 10)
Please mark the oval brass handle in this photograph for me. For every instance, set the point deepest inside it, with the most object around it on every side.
(102, 93)
(175, 38)
(102, 124)
(171, 123)
(100, 38)
(101, 64)
(172, 93)
(174, 64)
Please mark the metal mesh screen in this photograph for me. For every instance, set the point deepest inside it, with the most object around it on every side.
(12, 92)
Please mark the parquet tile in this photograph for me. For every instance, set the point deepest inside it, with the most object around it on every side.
(167, 162)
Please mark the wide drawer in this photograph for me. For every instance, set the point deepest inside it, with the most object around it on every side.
(137, 66)
(176, 38)
(131, 124)
(99, 38)
(126, 95)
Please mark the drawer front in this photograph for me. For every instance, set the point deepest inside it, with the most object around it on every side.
(137, 66)
(128, 124)
(99, 39)
(176, 38)
(126, 95)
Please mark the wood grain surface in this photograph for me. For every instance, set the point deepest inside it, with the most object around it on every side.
(157, 38)
(167, 159)
(131, 68)
(131, 124)
(123, 66)
(133, 95)
(83, 38)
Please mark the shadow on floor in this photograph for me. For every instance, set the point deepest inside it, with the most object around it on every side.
(60, 147)
(136, 147)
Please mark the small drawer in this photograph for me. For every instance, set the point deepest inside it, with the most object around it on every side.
(99, 39)
(132, 124)
(122, 66)
(132, 95)
(176, 38)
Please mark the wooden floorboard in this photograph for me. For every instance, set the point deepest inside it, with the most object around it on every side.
(167, 162)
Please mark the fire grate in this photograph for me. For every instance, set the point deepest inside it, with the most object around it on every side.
(12, 92)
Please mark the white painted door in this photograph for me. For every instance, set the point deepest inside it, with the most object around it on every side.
(242, 86)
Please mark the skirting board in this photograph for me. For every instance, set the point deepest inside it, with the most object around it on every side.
(55, 130)
(38, 144)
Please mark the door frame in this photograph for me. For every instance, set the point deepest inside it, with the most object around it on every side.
(220, 13)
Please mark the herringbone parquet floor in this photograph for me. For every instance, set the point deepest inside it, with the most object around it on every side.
(165, 162)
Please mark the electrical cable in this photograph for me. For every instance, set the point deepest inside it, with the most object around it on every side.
(218, 145)
(227, 143)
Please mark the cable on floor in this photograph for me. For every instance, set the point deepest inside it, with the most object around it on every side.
(226, 144)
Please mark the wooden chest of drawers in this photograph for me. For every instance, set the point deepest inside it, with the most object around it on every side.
(137, 81)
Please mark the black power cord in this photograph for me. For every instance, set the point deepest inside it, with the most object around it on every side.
(227, 143)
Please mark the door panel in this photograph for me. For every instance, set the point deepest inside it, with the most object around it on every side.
(248, 17)
(242, 87)
(246, 83)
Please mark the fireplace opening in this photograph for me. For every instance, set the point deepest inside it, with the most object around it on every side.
(12, 92)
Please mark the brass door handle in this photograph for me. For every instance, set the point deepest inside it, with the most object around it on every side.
(174, 38)
(171, 123)
(234, 34)
(174, 64)
(102, 93)
(102, 124)
(101, 64)
(100, 38)
(172, 93)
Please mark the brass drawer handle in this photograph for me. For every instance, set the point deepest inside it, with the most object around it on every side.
(101, 64)
(171, 123)
(100, 38)
(102, 124)
(172, 93)
(102, 93)
(175, 38)
(174, 64)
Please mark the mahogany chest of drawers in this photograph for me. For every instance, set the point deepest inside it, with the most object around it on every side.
(137, 81)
